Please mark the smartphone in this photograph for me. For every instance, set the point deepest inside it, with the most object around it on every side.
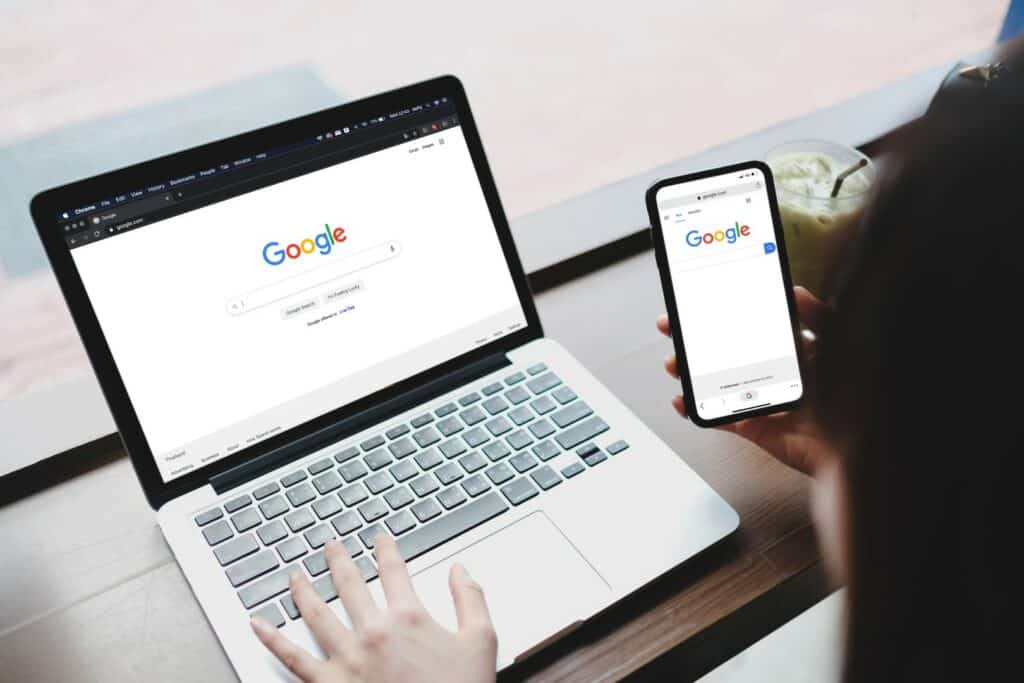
(720, 251)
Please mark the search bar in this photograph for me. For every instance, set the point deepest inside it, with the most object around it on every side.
(311, 279)
(707, 195)
(730, 256)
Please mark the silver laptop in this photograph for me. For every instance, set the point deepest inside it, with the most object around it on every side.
(322, 330)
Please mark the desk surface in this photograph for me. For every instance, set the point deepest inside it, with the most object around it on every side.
(91, 592)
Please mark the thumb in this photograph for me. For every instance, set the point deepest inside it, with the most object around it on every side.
(470, 606)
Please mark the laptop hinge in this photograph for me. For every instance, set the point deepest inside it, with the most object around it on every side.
(258, 466)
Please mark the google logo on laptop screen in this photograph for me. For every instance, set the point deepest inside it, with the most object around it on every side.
(323, 242)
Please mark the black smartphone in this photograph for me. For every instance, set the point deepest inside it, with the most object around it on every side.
(719, 245)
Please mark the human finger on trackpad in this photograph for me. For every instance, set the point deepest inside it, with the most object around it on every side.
(536, 583)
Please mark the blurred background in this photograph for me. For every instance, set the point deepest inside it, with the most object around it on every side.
(569, 96)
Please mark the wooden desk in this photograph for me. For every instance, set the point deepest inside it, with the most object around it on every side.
(89, 590)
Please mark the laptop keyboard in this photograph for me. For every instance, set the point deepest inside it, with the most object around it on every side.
(425, 482)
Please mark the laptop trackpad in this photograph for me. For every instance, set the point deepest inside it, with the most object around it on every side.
(536, 583)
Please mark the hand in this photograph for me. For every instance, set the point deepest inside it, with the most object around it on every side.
(400, 642)
(793, 437)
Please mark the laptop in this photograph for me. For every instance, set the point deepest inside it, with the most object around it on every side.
(321, 329)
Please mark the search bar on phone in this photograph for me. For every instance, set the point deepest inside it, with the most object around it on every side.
(311, 279)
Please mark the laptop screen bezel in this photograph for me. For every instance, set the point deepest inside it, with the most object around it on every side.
(46, 205)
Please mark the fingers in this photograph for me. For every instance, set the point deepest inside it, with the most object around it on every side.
(470, 606)
(349, 584)
(394, 575)
(663, 325)
(811, 309)
(294, 658)
(671, 367)
(320, 619)
(680, 405)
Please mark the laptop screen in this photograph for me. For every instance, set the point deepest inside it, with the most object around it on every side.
(254, 295)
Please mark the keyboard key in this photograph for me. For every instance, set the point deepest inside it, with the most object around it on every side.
(378, 459)
(536, 368)
(421, 420)
(400, 523)
(379, 482)
(595, 458)
(299, 520)
(226, 553)
(517, 395)
(472, 397)
(472, 462)
(346, 523)
(346, 454)
(397, 431)
(324, 587)
(572, 470)
(272, 532)
(475, 485)
(546, 478)
(292, 549)
(429, 458)
(584, 431)
(271, 614)
(449, 426)
(451, 497)
(316, 564)
(495, 405)
(496, 451)
(521, 415)
(543, 405)
(246, 519)
(453, 447)
(424, 485)
(543, 383)
(500, 473)
(272, 507)
(542, 429)
(266, 490)
(617, 447)
(446, 409)
(402, 448)
(426, 437)
(515, 378)
(320, 466)
(404, 470)
(351, 544)
(327, 482)
(492, 388)
(426, 509)
(327, 507)
(366, 568)
(523, 461)
(448, 473)
(371, 443)
(301, 494)
(265, 588)
(373, 510)
(250, 568)
(498, 425)
(352, 470)
(293, 478)
(473, 415)
(571, 413)
(319, 535)
(399, 498)
(519, 439)
(204, 518)
(519, 491)
(564, 395)
(476, 436)
(369, 535)
(236, 504)
(546, 450)
(430, 536)
(353, 495)
(586, 449)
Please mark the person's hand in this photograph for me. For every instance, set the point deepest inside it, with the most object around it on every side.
(792, 437)
(400, 642)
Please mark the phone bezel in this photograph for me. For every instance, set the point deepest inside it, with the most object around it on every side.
(661, 256)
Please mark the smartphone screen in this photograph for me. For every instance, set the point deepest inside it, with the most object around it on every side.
(732, 302)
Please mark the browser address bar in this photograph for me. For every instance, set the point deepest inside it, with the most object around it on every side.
(282, 289)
